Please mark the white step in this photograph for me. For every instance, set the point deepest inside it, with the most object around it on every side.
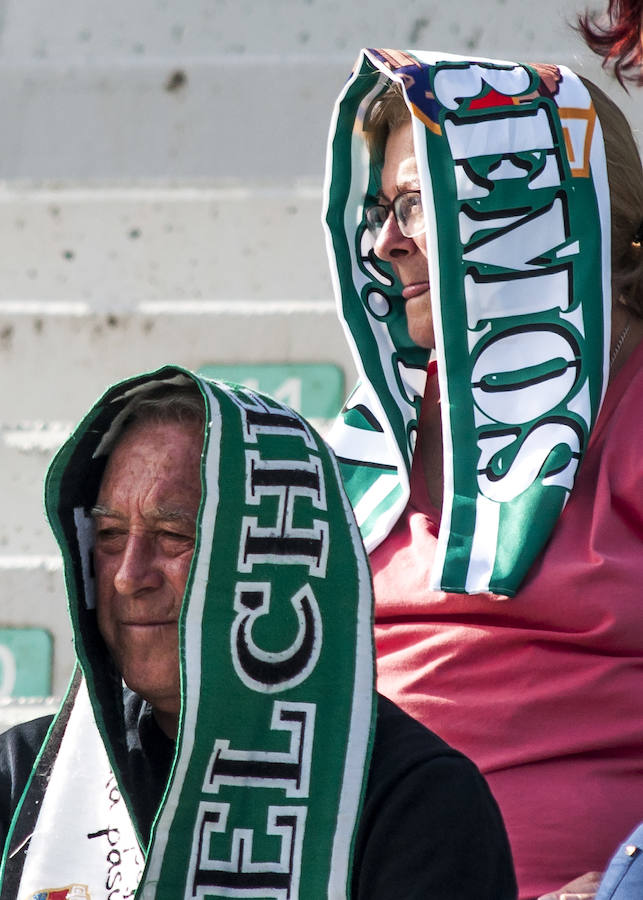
(108, 119)
(112, 246)
(13, 711)
(25, 453)
(32, 595)
(158, 89)
(171, 29)
(60, 357)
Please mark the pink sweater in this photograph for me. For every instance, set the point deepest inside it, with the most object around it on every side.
(544, 691)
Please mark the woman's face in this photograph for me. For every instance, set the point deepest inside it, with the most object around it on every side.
(408, 256)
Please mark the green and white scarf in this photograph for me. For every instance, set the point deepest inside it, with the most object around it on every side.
(273, 750)
(514, 188)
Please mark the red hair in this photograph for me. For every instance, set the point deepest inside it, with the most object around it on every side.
(618, 40)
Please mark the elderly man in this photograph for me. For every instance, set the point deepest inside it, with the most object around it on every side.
(218, 736)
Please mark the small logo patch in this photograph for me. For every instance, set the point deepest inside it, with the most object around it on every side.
(71, 892)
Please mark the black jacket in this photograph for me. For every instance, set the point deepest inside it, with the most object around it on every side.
(429, 826)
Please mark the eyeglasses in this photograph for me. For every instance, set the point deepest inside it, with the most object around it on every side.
(408, 212)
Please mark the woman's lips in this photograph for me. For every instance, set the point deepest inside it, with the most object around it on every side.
(414, 290)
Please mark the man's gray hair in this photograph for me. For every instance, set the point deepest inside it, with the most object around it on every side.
(167, 403)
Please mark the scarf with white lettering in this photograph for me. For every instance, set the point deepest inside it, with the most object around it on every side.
(515, 196)
(277, 674)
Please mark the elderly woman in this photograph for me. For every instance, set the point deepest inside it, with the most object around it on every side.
(472, 210)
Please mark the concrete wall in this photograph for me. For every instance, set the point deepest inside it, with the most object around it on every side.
(161, 166)
(163, 88)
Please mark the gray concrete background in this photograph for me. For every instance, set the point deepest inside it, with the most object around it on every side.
(163, 88)
(160, 188)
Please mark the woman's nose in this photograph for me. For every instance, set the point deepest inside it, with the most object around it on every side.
(390, 243)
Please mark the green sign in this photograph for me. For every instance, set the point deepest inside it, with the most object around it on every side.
(316, 390)
(25, 662)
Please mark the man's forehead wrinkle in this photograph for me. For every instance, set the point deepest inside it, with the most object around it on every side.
(158, 513)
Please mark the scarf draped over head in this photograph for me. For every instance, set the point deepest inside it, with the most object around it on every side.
(514, 188)
(275, 642)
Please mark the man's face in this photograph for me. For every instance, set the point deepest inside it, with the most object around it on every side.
(145, 517)
(407, 255)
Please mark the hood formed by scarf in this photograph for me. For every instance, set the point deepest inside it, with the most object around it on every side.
(514, 188)
(275, 641)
